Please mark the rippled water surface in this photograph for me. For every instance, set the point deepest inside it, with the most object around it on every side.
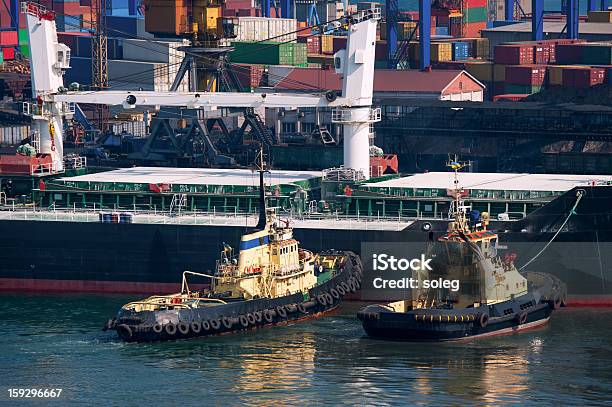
(56, 342)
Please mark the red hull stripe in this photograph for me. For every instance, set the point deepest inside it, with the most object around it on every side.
(132, 287)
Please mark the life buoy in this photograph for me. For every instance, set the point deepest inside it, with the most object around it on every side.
(281, 311)
(170, 329)
(334, 293)
(251, 318)
(157, 328)
(243, 321)
(124, 332)
(301, 308)
(183, 328)
(484, 320)
(258, 316)
(195, 327)
(521, 318)
(215, 324)
(267, 315)
(206, 325)
(227, 323)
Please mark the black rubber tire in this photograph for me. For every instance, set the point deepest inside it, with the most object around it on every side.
(322, 300)
(281, 312)
(195, 327)
(341, 290)
(170, 329)
(258, 316)
(227, 323)
(251, 318)
(301, 308)
(329, 298)
(183, 328)
(345, 287)
(215, 324)
(157, 328)
(521, 317)
(125, 332)
(352, 285)
(206, 325)
(483, 320)
(334, 293)
(267, 316)
(244, 322)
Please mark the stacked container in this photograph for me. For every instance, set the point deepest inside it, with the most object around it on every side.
(249, 76)
(525, 79)
(583, 77)
(269, 53)
(460, 51)
(514, 54)
(262, 28)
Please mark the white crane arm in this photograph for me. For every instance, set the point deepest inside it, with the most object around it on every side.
(200, 100)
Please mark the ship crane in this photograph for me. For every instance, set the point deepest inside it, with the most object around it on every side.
(352, 108)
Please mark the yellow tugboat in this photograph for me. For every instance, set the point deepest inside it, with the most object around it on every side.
(270, 281)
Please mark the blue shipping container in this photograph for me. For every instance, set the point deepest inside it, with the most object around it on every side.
(441, 30)
(461, 51)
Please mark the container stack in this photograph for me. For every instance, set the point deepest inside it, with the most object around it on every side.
(269, 53)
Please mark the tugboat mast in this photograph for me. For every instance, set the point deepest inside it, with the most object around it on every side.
(260, 165)
(458, 208)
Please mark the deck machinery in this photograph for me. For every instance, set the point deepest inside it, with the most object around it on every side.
(352, 109)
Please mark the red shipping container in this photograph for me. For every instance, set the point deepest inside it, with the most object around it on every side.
(9, 38)
(313, 44)
(474, 29)
(474, 3)
(533, 75)
(541, 53)
(8, 54)
(583, 77)
(514, 54)
(249, 75)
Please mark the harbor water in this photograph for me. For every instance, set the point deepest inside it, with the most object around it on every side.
(55, 341)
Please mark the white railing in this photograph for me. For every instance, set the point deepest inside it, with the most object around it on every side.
(351, 115)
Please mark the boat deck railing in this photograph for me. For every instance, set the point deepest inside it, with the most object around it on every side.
(15, 211)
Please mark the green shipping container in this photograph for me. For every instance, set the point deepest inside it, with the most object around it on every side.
(475, 15)
(596, 54)
(23, 37)
(25, 50)
(521, 89)
(269, 53)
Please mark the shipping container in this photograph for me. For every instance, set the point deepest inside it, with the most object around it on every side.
(249, 76)
(522, 89)
(269, 53)
(596, 54)
(473, 29)
(148, 51)
(569, 54)
(460, 51)
(441, 51)
(9, 38)
(600, 17)
(313, 44)
(583, 77)
(526, 74)
(327, 44)
(555, 74)
(475, 15)
(509, 97)
(481, 70)
(265, 29)
(8, 54)
(499, 72)
(514, 54)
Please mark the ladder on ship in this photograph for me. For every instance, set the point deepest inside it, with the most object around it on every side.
(179, 202)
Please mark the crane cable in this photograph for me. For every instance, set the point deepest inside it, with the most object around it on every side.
(579, 194)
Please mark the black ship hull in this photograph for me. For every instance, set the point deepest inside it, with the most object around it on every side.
(521, 313)
(147, 257)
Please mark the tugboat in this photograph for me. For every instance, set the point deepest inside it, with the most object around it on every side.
(271, 281)
(494, 297)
